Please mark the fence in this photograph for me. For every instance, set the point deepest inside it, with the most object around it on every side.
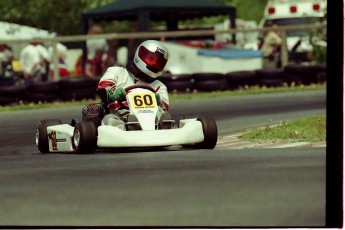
(69, 89)
(171, 34)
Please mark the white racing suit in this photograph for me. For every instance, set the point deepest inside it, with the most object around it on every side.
(34, 59)
(122, 78)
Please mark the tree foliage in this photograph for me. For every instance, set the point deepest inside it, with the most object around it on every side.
(64, 16)
(248, 9)
(59, 16)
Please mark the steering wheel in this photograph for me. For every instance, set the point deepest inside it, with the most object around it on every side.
(142, 86)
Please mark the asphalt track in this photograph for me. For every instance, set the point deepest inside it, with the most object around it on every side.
(190, 188)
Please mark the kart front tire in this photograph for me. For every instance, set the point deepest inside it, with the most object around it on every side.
(85, 137)
(42, 141)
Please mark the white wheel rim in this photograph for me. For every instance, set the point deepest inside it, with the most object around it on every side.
(37, 136)
(76, 137)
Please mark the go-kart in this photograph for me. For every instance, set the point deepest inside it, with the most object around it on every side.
(145, 130)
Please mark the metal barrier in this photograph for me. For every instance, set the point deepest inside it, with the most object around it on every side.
(142, 35)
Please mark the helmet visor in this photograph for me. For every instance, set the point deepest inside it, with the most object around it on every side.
(154, 61)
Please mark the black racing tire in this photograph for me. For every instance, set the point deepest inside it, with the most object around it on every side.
(209, 127)
(301, 69)
(84, 138)
(42, 134)
(44, 87)
(207, 76)
(211, 85)
(78, 94)
(240, 79)
(180, 86)
(180, 77)
(322, 77)
(76, 83)
(12, 91)
(302, 74)
(42, 97)
(210, 82)
(210, 130)
(178, 82)
(6, 100)
(165, 77)
(321, 67)
(271, 78)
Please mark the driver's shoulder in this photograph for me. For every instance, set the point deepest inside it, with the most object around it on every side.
(157, 84)
(116, 69)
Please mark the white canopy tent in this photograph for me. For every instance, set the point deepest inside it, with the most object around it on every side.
(16, 31)
(12, 31)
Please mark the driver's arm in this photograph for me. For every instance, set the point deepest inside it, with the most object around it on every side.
(107, 81)
(164, 97)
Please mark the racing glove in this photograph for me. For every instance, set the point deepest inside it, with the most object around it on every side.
(118, 94)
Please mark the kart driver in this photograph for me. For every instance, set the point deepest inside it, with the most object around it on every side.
(148, 63)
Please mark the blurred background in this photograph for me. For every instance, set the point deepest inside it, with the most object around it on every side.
(213, 44)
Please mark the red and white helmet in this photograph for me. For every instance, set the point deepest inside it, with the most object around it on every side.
(151, 57)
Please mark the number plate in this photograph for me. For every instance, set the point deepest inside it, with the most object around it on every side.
(145, 100)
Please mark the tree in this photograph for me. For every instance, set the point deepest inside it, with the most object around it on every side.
(248, 9)
(62, 17)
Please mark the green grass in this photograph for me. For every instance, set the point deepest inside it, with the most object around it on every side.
(253, 90)
(310, 129)
(43, 105)
(174, 96)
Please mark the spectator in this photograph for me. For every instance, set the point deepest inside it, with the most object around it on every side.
(271, 48)
(6, 70)
(61, 55)
(97, 53)
(79, 69)
(35, 60)
(78, 66)
(6, 54)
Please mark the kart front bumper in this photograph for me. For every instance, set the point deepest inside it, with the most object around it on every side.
(110, 136)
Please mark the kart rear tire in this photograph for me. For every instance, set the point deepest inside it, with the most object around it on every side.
(210, 131)
(85, 137)
(42, 134)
